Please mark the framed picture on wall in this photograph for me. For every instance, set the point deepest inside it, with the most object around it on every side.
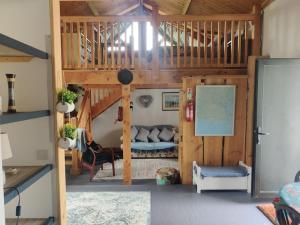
(170, 101)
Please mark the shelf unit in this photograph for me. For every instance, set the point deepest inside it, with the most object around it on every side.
(21, 116)
(40, 221)
(12, 50)
(21, 47)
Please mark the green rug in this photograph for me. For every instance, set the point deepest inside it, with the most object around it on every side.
(108, 208)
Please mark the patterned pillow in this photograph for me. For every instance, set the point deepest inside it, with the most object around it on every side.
(134, 132)
(153, 136)
(142, 135)
(166, 134)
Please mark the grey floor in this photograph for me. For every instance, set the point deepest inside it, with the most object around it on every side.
(181, 205)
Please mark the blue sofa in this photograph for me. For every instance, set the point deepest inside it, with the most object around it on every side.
(154, 149)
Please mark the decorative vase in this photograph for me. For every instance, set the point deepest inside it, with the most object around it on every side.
(65, 107)
(66, 143)
(11, 92)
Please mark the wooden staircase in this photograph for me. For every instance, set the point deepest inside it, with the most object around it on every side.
(102, 99)
(95, 102)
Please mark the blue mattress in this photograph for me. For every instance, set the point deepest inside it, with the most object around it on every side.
(152, 146)
(226, 171)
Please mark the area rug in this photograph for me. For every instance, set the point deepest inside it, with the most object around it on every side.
(141, 169)
(108, 208)
(269, 211)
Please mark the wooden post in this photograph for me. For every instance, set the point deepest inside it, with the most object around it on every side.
(250, 109)
(126, 135)
(58, 117)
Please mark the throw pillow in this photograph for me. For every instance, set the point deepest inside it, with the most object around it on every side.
(166, 134)
(134, 132)
(153, 136)
(142, 135)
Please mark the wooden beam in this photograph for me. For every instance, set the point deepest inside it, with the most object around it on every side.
(266, 3)
(257, 30)
(186, 6)
(143, 77)
(93, 8)
(126, 135)
(15, 58)
(129, 9)
(58, 117)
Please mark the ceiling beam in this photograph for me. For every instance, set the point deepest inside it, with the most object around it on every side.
(93, 8)
(186, 7)
(148, 6)
(266, 3)
(129, 9)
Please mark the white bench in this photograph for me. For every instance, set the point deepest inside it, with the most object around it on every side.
(222, 178)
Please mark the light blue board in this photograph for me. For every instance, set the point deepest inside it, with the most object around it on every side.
(215, 110)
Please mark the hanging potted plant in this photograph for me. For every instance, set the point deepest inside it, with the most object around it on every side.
(66, 100)
(68, 137)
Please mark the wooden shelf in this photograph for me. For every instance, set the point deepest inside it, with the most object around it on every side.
(22, 47)
(21, 116)
(15, 58)
(47, 221)
(25, 177)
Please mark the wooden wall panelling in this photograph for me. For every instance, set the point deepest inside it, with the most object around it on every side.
(58, 117)
(192, 145)
(213, 146)
(234, 146)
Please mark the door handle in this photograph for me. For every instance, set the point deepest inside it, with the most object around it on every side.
(263, 133)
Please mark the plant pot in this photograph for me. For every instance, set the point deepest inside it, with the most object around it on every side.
(66, 143)
(65, 107)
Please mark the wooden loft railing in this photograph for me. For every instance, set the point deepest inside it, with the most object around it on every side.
(113, 42)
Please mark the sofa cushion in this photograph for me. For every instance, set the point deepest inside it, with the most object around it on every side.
(152, 146)
(142, 135)
(166, 134)
(153, 136)
(134, 132)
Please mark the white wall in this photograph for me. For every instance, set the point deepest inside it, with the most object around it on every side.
(29, 21)
(108, 134)
(281, 29)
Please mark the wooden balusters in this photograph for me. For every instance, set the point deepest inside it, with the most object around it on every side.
(205, 42)
(108, 43)
(212, 43)
(119, 63)
(99, 47)
(198, 43)
(164, 43)
(178, 44)
(132, 46)
(172, 45)
(105, 46)
(232, 42)
(64, 45)
(126, 50)
(225, 42)
(185, 43)
(219, 43)
(246, 43)
(192, 44)
(85, 43)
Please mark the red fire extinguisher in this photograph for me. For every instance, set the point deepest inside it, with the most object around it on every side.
(189, 111)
